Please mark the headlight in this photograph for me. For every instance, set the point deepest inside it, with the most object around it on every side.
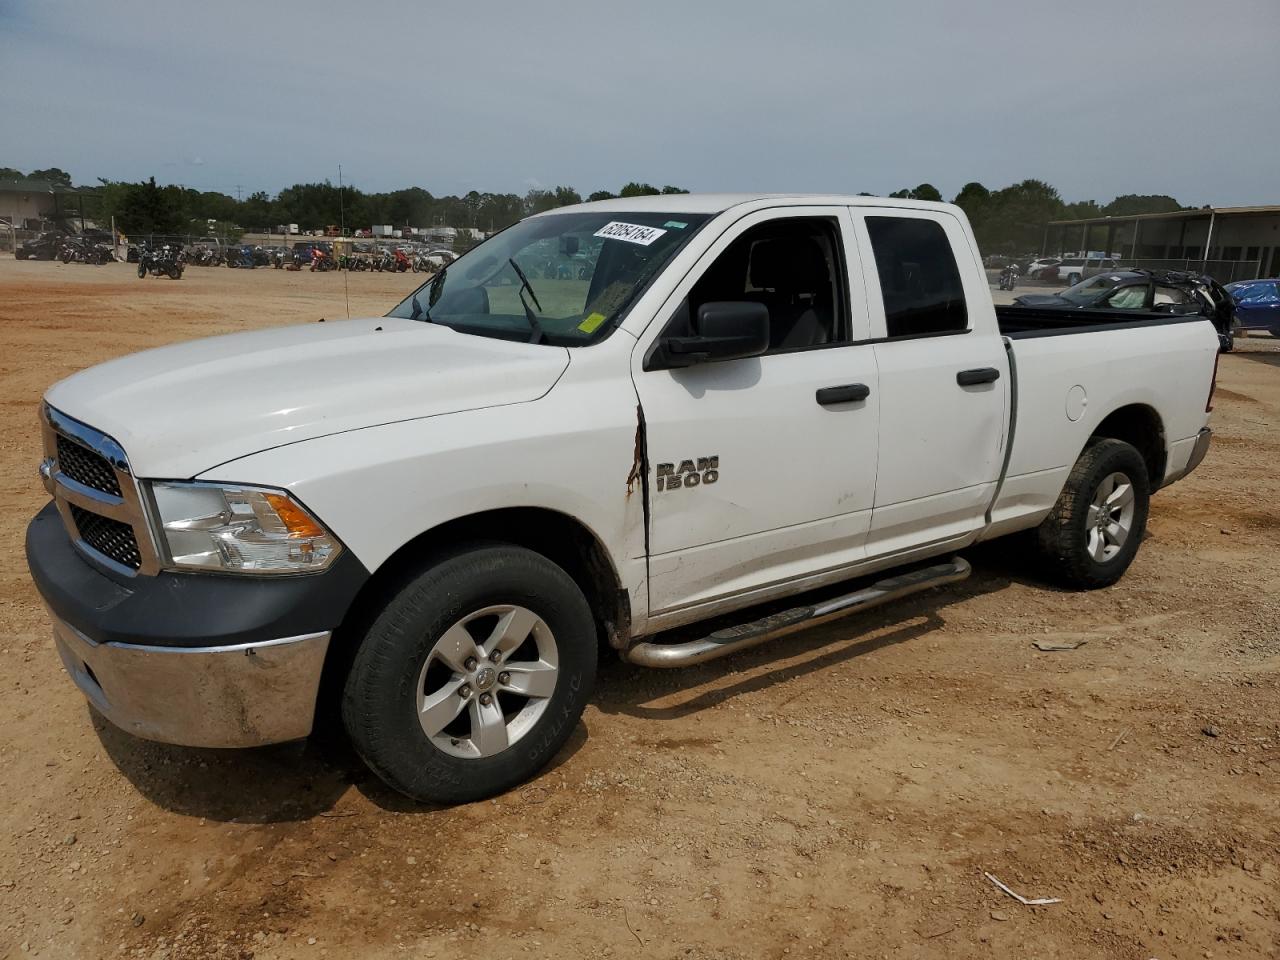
(236, 529)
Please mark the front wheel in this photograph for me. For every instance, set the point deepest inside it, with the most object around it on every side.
(1093, 532)
(473, 675)
(142, 270)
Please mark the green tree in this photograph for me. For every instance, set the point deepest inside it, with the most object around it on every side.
(926, 191)
(602, 195)
(1133, 203)
(144, 208)
(567, 196)
(538, 201)
(1017, 216)
(54, 175)
(1080, 210)
(9, 173)
(667, 190)
(634, 189)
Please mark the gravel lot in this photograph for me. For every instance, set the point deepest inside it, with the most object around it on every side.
(840, 794)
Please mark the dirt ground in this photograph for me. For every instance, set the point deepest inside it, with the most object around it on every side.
(840, 794)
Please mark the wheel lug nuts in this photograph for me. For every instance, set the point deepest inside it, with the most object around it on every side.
(485, 699)
(496, 657)
(464, 691)
(471, 663)
(504, 677)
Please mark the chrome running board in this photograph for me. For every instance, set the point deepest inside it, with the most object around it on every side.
(729, 640)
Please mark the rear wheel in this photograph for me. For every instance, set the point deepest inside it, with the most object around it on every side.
(1093, 532)
(473, 676)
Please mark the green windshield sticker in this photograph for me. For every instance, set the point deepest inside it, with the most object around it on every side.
(675, 225)
(591, 323)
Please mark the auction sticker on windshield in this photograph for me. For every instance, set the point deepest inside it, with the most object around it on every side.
(630, 232)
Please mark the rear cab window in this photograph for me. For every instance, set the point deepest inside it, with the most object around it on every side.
(920, 282)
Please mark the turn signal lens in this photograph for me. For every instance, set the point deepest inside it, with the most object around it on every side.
(296, 520)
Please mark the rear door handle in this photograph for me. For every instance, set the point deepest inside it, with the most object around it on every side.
(849, 393)
(970, 378)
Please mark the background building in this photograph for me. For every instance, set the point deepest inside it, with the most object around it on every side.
(1229, 243)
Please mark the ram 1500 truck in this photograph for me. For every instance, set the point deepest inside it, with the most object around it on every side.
(603, 423)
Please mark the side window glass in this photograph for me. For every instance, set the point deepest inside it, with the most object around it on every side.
(919, 279)
(791, 266)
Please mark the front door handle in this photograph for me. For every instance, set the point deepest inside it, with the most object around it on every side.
(849, 393)
(971, 378)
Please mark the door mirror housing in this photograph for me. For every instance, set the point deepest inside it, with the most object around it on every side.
(726, 330)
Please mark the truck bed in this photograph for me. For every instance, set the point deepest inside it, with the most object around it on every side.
(1019, 322)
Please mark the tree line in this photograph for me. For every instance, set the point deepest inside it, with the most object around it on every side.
(1007, 220)
(1012, 220)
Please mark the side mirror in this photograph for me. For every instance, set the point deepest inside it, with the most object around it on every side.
(727, 330)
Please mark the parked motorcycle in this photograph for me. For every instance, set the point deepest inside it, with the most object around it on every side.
(81, 250)
(164, 262)
(241, 258)
(1009, 277)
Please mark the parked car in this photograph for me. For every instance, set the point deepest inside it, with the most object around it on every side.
(1156, 292)
(1044, 268)
(429, 522)
(1257, 304)
(1074, 269)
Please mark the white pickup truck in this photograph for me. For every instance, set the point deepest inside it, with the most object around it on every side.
(605, 422)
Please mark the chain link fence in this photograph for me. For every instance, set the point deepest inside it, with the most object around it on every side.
(1224, 271)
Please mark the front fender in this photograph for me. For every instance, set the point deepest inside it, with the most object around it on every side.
(378, 488)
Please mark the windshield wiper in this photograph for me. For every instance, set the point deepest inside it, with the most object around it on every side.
(433, 294)
(534, 325)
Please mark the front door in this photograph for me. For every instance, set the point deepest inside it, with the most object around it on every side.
(762, 470)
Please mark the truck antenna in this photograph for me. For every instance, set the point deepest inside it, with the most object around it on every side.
(342, 230)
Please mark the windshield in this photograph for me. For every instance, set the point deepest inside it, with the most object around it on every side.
(1086, 291)
(565, 279)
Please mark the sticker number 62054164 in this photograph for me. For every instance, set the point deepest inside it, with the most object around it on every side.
(630, 232)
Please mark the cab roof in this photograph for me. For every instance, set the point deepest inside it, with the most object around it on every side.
(713, 203)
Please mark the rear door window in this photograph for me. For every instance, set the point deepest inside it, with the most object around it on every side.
(919, 280)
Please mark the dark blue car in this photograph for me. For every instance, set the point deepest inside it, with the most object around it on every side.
(1257, 304)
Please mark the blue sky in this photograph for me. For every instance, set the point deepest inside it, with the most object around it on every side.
(1176, 96)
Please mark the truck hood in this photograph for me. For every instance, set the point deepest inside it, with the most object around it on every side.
(183, 409)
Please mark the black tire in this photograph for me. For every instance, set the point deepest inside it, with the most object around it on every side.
(1064, 536)
(380, 697)
(142, 270)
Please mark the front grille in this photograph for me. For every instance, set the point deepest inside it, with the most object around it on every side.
(84, 466)
(111, 538)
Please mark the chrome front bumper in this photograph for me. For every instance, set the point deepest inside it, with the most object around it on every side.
(242, 695)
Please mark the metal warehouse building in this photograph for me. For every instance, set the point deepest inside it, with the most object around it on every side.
(1229, 243)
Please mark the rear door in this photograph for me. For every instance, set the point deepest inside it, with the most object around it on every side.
(763, 470)
(944, 379)
(1259, 306)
